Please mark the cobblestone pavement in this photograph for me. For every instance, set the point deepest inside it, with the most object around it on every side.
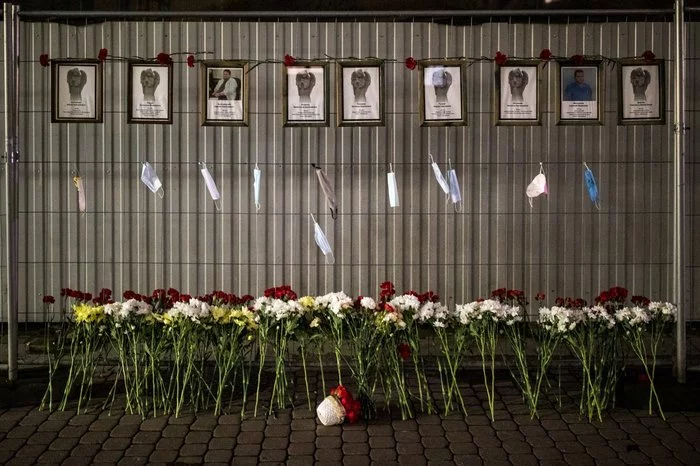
(560, 436)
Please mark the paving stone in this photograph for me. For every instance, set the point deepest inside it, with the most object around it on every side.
(130, 419)
(183, 419)
(634, 457)
(407, 425)
(104, 425)
(133, 461)
(487, 441)
(24, 432)
(170, 443)
(407, 437)
(281, 430)
(301, 460)
(250, 438)
(356, 448)
(108, 456)
(459, 437)
(533, 431)
(222, 443)
(554, 424)
(163, 456)
(193, 449)
(590, 440)
(118, 443)
(613, 434)
(562, 436)
(303, 424)
(82, 419)
(227, 430)
(34, 418)
(454, 426)
(329, 442)
(412, 448)
(275, 443)
(53, 456)
(328, 454)
(354, 436)
(357, 460)
(579, 459)
(41, 438)
(521, 459)
(65, 444)
(510, 435)
(85, 450)
(124, 430)
(252, 449)
(546, 453)
(146, 437)
(48, 426)
(227, 419)
(380, 430)
(198, 437)
(411, 459)
(156, 424)
(601, 452)
(328, 431)
(382, 442)
(438, 454)
(76, 461)
(432, 430)
(516, 447)
(302, 436)
(382, 454)
(175, 431)
(218, 456)
(434, 442)
(301, 448)
(72, 431)
(139, 450)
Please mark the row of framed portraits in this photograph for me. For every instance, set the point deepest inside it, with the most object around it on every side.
(77, 96)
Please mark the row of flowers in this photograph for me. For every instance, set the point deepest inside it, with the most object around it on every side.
(174, 350)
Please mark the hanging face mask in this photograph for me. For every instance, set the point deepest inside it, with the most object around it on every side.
(591, 186)
(537, 186)
(438, 176)
(393, 189)
(82, 202)
(211, 185)
(455, 193)
(257, 175)
(150, 179)
(327, 189)
(322, 242)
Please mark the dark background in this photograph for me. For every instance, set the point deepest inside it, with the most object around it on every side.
(342, 5)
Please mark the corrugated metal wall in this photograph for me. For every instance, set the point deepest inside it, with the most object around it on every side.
(131, 239)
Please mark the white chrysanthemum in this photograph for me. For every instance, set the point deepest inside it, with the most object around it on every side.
(406, 302)
(195, 310)
(557, 319)
(663, 310)
(338, 303)
(368, 303)
(599, 314)
(278, 309)
(431, 311)
(634, 316)
(113, 309)
(510, 314)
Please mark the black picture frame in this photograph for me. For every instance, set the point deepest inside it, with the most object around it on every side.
(223, 101)
(517, 93)
(641, 99)
(305, 94)
(150, 92)
(360, 92)
(442, 88)
(76, 91)
(581, 93)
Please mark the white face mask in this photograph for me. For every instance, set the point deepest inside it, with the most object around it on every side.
(322, 242)
(455, 193)
(327, 189)
(211, 185)
(257, 174)
(82, 201)
(438, 176)
(537, 186)
(150, 179)
(393, 189)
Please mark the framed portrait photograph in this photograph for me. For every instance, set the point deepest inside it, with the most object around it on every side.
(580, 93)
(641, 98)
(442, 100)
(150, 92)
(360, 93)
(305, 99)
(517, 93)
(76, 91)
(224, 93)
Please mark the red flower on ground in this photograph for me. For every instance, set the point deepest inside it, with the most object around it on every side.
(289, 60)
(44, 59)
(578, 59)
(648, 55)
(545, 54)
(164, 59)
(411, 63)
(102, 56)
(501, 58)
(48, 299)
(190, 61)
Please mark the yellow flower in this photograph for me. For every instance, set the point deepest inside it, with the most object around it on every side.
(87, 313)
(220, 315)
(308, 302)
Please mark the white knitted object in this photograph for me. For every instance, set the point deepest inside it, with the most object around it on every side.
(330, 412)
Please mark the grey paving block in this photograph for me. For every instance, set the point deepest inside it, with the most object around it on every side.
(301, 449)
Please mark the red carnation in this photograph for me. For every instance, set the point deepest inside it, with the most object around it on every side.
(102, 55)
(501, 58)
(190, 61)
(545, 54)
(48, 299)
(289, 60)
(648, 55)
(578, 59)
(164, 59)
(539, 296)
(44, 59)
(404, 351)
(411, 63)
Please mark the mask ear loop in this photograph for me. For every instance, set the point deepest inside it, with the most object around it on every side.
(80, 186)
